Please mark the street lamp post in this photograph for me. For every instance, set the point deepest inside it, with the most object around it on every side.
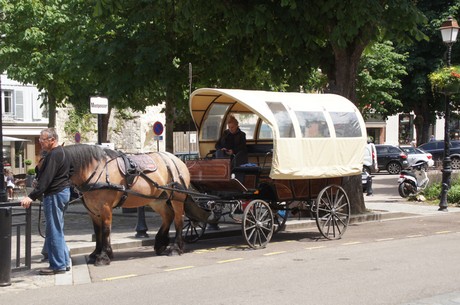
(3, 195)
(449, 30)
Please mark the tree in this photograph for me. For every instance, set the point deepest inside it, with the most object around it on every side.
(29, 53)
(423, 58)
(379, 79)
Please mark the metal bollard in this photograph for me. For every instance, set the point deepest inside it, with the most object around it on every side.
(5, 246)
(141, 227)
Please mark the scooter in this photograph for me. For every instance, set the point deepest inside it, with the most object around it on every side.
(414, 181)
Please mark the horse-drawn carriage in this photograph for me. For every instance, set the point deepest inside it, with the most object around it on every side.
(300, 146)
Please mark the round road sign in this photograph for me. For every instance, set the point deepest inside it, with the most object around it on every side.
(158, 128)
(77, 137)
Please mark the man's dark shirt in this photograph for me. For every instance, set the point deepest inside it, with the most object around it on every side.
(235, 142)
(53, 176)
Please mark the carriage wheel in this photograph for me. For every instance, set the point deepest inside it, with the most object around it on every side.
(257, 224)
(332, 211)
(193, 230)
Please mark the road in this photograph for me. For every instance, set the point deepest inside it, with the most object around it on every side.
(401, 261)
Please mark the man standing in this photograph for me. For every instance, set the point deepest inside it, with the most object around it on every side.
(53, 184)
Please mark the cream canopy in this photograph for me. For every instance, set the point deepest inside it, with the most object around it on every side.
(314, 135)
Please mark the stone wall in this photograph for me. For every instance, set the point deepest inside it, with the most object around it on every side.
(130, 131)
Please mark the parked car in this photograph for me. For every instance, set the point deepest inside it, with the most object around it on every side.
(370, 159)
(391, 158)
(436, 148)
(417, 154)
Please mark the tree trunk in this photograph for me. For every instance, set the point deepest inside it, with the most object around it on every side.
(170, 118)
(346, 67)
(52, 111)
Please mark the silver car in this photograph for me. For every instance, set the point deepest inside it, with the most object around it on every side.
(415, 154)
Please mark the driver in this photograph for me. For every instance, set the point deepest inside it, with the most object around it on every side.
(232, 143)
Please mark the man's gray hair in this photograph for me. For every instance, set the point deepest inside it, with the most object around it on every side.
(51, 132)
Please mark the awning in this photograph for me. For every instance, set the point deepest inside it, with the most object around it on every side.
(13, 139)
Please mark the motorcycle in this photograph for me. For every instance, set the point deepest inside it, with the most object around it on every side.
(414, 181)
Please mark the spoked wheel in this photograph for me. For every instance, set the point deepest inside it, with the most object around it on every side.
(193, 230)
(257, 224)
(332, 211)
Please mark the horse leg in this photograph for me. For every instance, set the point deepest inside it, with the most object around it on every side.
(106, 253)
(162, 236)
(98, 235)
(178, 246)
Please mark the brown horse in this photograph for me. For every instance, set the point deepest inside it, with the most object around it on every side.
(109, 179)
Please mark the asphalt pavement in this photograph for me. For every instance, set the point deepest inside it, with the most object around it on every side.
(384, 204)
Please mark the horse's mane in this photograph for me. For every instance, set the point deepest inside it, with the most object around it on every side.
(81, 156)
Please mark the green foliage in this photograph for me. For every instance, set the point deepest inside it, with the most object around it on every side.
(31, 171)
(432, 193)
(84, 123)
(28, 162)
(379, 79)
(445, 80)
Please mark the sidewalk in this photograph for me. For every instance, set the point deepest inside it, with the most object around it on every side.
(79, 236)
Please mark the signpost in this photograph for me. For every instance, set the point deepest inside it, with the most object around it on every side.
(99, 105)
(158, 131)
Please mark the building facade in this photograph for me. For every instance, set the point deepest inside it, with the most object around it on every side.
(23, 117)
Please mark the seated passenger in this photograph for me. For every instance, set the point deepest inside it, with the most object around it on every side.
(232, 143)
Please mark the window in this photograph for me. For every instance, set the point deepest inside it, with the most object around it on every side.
(265, 132)
(283, 120)
(212, 124)
(247, 123)
(7, 102)
(346, 124)
(312, 124)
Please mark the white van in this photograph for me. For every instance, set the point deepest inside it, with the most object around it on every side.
(370, 158)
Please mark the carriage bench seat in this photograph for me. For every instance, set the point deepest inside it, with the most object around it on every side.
(216, 175)
(261, 155)
(259, 150)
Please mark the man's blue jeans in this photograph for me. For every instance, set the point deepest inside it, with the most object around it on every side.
(54, 207)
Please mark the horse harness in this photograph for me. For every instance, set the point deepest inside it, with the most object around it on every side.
(132, 167)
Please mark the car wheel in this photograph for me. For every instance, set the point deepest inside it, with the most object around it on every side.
(455, 163)
(394, 168)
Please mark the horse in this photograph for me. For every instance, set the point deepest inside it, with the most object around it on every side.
(107, 179)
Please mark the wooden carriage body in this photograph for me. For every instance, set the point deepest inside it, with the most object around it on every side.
(300, 146)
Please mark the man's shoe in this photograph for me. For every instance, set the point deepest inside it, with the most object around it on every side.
(49, 271)
(67, 268)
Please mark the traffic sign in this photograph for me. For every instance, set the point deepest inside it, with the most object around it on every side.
(99, 105)
(158, 128)
(77, 137)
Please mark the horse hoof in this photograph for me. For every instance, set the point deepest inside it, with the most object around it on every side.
(175, 251)
(102, 260)
(160, 250)
(91, 260)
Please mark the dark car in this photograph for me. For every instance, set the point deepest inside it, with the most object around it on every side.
(436, 148)
(391, 158)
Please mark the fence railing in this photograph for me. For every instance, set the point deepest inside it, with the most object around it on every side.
(15, 222)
